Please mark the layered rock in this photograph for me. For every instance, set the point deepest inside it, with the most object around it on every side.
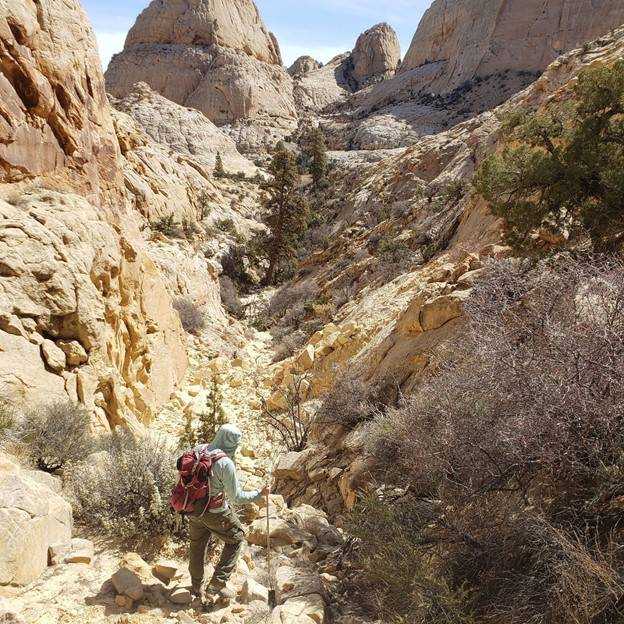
(34, 519)
(54, 115)
(304, 65)
(376, 56)
(84, 314)
(211, 55)
(463, 40)
(184, 130)
(466, 58)
(69, 278)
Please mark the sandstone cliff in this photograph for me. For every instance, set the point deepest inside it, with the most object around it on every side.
(83, 311)
(211, 55)
(54, 115)
(467, 58)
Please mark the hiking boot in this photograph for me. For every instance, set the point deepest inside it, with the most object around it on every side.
(213, 588)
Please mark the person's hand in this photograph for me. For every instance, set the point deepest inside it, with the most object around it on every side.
(265, 491)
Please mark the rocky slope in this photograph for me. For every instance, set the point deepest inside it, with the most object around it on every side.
(214, 56)
(466, 58)
(376, 56)
(399, 305)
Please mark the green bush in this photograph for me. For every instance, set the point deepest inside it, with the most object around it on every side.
(560, 178)
(125, 490)
(56, 435)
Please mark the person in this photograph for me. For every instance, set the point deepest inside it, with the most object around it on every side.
(218, 518)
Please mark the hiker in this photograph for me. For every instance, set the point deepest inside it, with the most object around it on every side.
(215, 517)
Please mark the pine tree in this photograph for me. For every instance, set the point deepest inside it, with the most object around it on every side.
(287, 212)
(188, 436)
(219, 171)
(214, 416)
(318, 155)
(561, 176)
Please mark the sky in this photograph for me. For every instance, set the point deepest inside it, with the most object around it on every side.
(320, 28)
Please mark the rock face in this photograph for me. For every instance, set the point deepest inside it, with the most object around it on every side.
(458, 40)
(467, 58)
(68, 276)
(212, 55)
(304, 65)
(84, 313)
(186, 131)
(33, 518)
(376, 55)
(54, 117)
(224, 23)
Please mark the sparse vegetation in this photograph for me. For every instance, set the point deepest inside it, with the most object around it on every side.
(561, 177)
(55, 435)
(292, 420)
(510, 458)
(166, 225)
(191, 315)
(125, 492)
(229, 297)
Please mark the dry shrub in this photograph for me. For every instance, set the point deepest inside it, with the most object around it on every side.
(353, 400)
(124, 490)
(191, 316)
(229, 297)
(517, 445)
(55, 435)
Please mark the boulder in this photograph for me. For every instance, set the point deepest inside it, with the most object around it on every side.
(165, 571)
(74, 352)
(282, 533)
(53, 356)
(292, 465)
(305, 360)
(252, 590)
(81, 551)
(308, 609)
(181, 595)
(33, 518)
(128, 583)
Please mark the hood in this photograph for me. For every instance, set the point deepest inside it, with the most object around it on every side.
(227, 440)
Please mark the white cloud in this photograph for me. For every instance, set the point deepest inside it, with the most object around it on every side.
(109, 43)
(291, 52)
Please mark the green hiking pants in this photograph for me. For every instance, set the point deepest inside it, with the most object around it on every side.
(225, 526)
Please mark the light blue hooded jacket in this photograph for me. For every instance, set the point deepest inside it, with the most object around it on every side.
(224, 477)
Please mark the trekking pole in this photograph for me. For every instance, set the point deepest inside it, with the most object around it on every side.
(271, 599)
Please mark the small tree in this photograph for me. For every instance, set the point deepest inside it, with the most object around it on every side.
(188, 435)
(214, 415)
(219, 171)
(562, 175)
(287, 212)
(317, 155)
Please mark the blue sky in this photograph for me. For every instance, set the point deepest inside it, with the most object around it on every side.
(320, 28)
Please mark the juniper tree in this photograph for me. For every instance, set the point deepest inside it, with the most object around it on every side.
(219, 170)
(188, 436)
(563, 172)
(214, 416)
(317, 155)
(287, 213)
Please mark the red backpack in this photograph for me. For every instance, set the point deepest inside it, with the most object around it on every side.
(195, 468)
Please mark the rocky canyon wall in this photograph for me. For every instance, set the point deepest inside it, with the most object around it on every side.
(83, 311)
